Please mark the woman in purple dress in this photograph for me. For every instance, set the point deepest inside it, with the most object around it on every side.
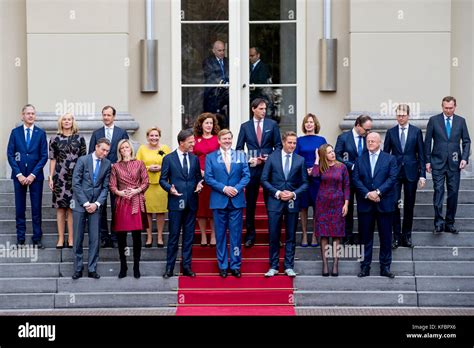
(331, 203)
(306, 146)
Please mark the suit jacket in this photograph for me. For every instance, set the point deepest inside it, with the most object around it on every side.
(271, 139)
(346, 150)
(260, 74)
(273, 180)
(216, 177)
(446, 151)
(84, 189)
(172, 174)
(212, 70)
(412, 160)
(29, 160)
(118, 135)
(385, 177)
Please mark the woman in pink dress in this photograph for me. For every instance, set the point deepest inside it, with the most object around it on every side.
(129, 181)
(205, 133)
(331, 204)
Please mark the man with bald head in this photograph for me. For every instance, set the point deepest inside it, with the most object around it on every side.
(216, 72)
(374, 177)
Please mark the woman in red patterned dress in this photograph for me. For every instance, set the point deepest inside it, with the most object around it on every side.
(332, 202)
(129, 181)
(205, 133)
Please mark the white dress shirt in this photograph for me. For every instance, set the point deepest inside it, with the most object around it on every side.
(94, 164)
(181, 157)
(283, 159)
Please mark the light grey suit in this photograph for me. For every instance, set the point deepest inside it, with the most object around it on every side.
(85, 190)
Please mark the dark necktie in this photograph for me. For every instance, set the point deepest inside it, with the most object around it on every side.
(403, 139)
(185, 165)
(359, 147)
(28, 137)
(96, 170)
(287, 166)
(221, 63)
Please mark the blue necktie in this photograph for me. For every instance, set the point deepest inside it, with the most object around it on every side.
(185, 165)
(448, 126)
(96, 170)
(359, 147)
(28, 137)
(287, 166)
(221, 63)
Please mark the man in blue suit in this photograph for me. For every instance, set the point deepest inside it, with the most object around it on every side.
(405, 142)
(114, 134)
(286, 178)
(90, 183)
(350, 146)
(27, 155)
(374, 176)
(446, 132)
(262, 137)
(181, 178)
(227, 173)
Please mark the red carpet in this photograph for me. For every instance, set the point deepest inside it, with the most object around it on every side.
(210, 295)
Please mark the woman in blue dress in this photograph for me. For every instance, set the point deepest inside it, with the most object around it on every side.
(306, 146)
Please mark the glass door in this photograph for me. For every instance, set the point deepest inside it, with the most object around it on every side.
(230, 52)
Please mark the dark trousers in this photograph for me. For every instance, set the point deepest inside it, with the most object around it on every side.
(104, 225)
(79, 222)
(274, 229)
(452, 179)
(350, 213)
(251, 196)
(366, 232)
(184, 220)
(409, 195)
(36, 198)
(228, 218)
(137, 247)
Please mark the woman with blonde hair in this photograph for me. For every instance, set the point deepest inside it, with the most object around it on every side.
(156, 199)
(331, 204)
(64, 149)
(129, 181)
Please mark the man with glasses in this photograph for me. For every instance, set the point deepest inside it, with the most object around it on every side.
(351, 145)
(405, 142)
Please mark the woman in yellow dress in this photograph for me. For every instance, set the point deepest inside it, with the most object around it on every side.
(156, 199)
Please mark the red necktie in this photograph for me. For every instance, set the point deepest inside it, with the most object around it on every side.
(259, 133)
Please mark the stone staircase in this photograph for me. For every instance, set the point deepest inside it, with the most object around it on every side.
(439, 271)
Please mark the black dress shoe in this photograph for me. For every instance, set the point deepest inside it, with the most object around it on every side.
(20, 243)
(160, 245)
(168, 274)
(188, 273)
(93, 275)
(249, 243)
(38, 244)
(148, 245)
(438, 229)
(236, 273)
(451, 229)
(395, 244)
(406, 242)
(77, 275)
(104, 244)
(122, 273)
(387, 273)
(136, 273)
(364, 272)
(223, 273)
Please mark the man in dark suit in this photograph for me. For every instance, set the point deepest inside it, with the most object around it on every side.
(405, 142)
(446, 160)
(262, 137)
(181, 178)
(259, 74)
(286, 178)
(114, 134)
(227, 173)
(27, 155)
(349, 146)
(90, 183)
(216, 72)
(374, 177)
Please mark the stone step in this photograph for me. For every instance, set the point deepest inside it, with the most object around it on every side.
(445, 283)
(443, 268)
(466, 184)
(29, 270)
(27, 301)
(426, 196)
(28, 285)
(445, 299)
(442, 253)
(353, 283)
(356, 298)
(352, 268)
(127, 284)
(112, 299)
